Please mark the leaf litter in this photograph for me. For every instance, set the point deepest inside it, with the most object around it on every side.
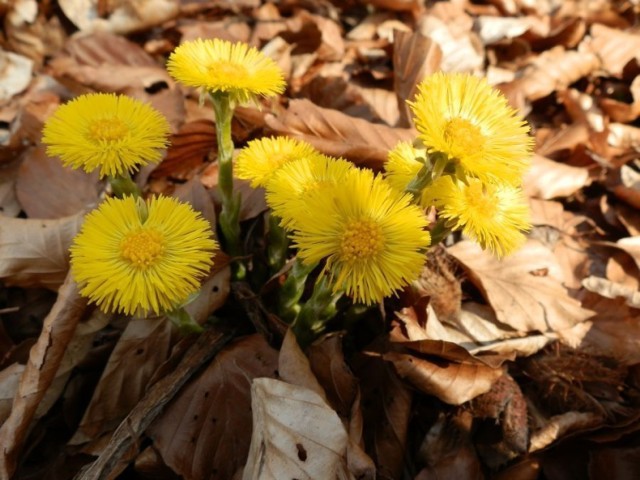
(483, 369)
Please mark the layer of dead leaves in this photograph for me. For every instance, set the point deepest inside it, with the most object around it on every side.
(519, 369)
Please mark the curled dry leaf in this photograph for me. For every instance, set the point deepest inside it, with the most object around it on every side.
(610, 289)
(35, 253)
(525, 289)
(614, 47)
(547, 179)
(295, 434)
(294, 368)
(560, 425)
(339, 135)
(15, 74)
(205, 432)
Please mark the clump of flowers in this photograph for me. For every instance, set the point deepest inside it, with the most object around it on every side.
(114, 134)
(136, 257)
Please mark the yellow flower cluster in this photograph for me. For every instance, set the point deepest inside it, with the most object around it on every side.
(371, 237)
(484, 149)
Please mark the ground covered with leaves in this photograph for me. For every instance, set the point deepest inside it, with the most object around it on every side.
(522, 368)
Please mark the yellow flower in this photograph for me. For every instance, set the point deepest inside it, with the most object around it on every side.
(243, 72)
(114, 133)
(494, 215)
(261, 158)
(134, 257)
(373, 239)
(402, 166)
(463, 117)
(290, 185)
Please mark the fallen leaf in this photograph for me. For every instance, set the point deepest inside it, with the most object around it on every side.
(547, 179)
(15, 74)
(559, 426)
(614, 47)
(610, 289)
(295, 434)
(36, 252)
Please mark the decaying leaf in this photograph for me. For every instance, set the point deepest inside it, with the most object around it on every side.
(560, 425)
(15, 74)
(547, 179)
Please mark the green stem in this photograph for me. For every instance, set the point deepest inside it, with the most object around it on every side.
(292, 290)
(123, 185)
(439, 232)
(316, 311)
(278, 244)
(184, 321)
(230, 213)
(434, 166)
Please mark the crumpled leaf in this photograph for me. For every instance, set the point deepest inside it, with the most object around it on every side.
(547, 179)
(559, 426)
(295, 434)
(610, 289)
(36, 252)
(15, 74)
(614, 47)
(525, 289)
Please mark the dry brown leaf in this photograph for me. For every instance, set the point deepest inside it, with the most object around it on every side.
(612, 290)
(44, 359)
(414, 57)
(547, 179)
(295, 434)
(614, 47)
(36, 252)
(9, 381)
(559, 426)
(43, 189)
(494, 29)
(339, 135)
(397, 5)
(631, 245)
(15, 74)
(556, 142)
(294, 368)
(525, 289)
(205, 432)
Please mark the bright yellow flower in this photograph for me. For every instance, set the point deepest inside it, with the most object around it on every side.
(372, 238)
(134, 257)
(290, 185)
(494, 215)
(402, 166)
(462, 116)
(261, 158)
(114, 133)
(217, 65)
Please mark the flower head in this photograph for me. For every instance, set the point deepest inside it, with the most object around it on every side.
(494, 215)
(463, 117)
(291, 184)
(372, 238)
(135, 257)
(261, 158)
(402, 166)
(114, 133)
(243, 72)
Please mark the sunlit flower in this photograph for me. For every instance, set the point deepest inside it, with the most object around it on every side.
(216, 65)
(261, 158)
(372, 238)
(494, 215)
(292, 183)
(463, 117)
(402, 166)
(114, 133)
(134, 257)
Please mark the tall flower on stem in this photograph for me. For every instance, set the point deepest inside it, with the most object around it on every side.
(136, 257)
(111, 133)
(232, 73)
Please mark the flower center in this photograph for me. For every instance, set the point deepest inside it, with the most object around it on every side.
(227, 72)
(463, 137)
(142, 248)
(482, 200)
(108, 129)
(361, 240)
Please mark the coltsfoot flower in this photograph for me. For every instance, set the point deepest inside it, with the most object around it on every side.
(112, 133)
(463, 117)
(134, 257)
(402, 166)
(215, 65)
(261, 158)
(371, 236)
(292, 183)
(494, 215)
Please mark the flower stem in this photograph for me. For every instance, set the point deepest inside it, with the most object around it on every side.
(184, 321)
(316, 311)
(433, 168)
(292, 289)
(230, 213)
(123, 185)
(278, 244)
(440, 231)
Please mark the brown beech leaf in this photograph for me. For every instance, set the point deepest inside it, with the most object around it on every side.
(45, 358)
(547, 179)
(614, 462)
(36, 252)
(339, 135)
(43, 189)
(631, 245)
(145, 344)
(414, 57)
(525, 289)
(555, 69)
(205, 432)
(295, 434)
(294, 368)
(560, 425)
(9, 381)
(610, 289)
(614, 47)
(15, 74)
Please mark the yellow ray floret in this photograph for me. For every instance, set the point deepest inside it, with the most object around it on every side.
(134, 257)
(215, 65)
(112, 133)
(293, 182)
(494, 215)
(372, 238)
(402, 166)
(463, 117)
(261, 158)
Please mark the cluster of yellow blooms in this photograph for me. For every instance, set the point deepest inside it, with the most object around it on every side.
(135, 256)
